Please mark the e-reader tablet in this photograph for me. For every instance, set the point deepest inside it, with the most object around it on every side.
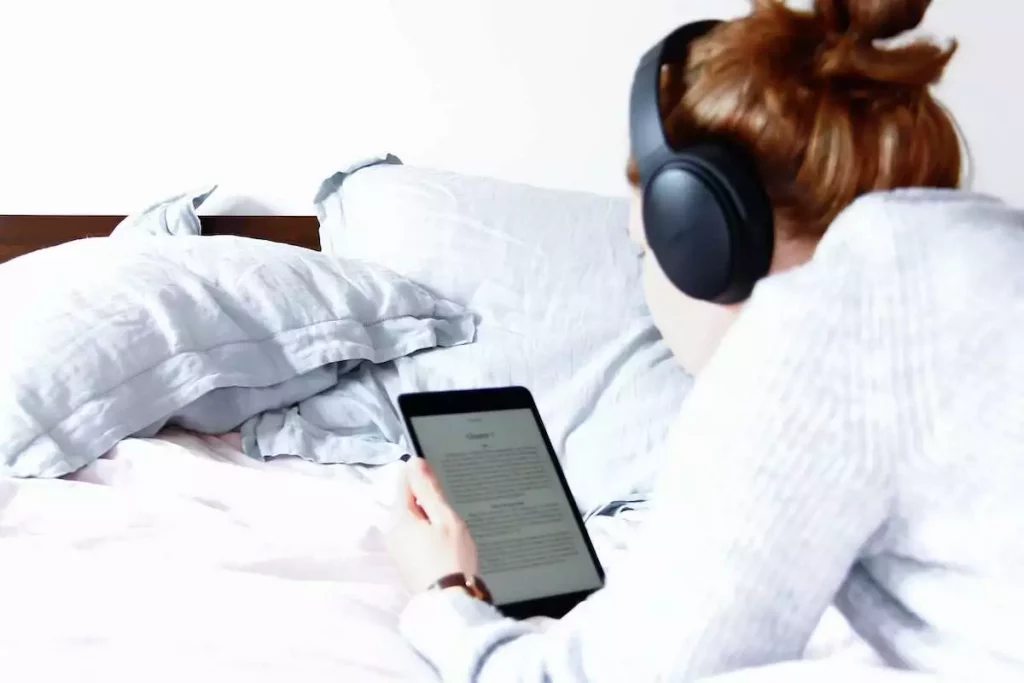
(494, 460)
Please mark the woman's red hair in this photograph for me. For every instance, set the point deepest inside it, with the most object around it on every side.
(827, 112)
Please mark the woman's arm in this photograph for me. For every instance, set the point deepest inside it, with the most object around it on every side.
(779, 480)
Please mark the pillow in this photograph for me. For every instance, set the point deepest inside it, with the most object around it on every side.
(556, 286)
(107, 338)
(171, 217)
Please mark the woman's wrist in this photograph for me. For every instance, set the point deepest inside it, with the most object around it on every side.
(470, 584)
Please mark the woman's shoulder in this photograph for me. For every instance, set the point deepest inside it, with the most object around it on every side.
(952, 259)
(919, 226)
(945, 244)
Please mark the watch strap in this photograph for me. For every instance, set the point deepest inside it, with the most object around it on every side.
(473, 585)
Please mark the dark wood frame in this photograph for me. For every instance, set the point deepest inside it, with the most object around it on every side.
(23, 234)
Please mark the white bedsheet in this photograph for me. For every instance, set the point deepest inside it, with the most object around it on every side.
(168, 561)
(179, 559)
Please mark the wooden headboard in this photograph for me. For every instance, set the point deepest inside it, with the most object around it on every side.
(22, 234)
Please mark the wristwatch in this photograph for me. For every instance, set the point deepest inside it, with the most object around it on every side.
(473, 585)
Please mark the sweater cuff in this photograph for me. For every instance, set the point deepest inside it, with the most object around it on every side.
(438, 622)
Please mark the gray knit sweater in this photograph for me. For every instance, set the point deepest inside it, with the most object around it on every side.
(857, 440)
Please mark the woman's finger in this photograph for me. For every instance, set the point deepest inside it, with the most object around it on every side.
(409, 496)
(427, 492)
(405, 505)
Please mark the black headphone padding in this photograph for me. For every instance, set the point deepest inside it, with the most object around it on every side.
(709, 223)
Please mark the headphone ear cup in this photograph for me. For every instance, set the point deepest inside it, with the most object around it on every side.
(709, 223)
(687, 232)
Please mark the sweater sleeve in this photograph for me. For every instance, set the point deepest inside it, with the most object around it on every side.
(778, 479)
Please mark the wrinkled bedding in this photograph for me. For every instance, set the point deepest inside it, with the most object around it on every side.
(180, 558)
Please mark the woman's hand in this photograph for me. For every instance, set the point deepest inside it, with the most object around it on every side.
(427, 539)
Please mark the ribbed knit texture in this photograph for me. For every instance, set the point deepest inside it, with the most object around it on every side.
(858, 439)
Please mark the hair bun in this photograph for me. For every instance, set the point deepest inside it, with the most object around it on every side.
(848, 52)
(867, 20)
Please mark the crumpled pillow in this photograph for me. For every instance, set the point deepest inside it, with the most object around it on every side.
(172, 217)
(106, 338)
(557, 287)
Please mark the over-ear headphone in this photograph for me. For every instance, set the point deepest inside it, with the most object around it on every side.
(706, 214)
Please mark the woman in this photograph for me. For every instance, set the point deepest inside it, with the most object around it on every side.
(855, 433)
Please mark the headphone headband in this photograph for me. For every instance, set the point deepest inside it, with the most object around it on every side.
(647, 130)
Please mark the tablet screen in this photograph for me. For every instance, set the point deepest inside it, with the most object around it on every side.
(495, 469)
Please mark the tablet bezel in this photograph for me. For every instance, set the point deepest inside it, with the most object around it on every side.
(422, 404)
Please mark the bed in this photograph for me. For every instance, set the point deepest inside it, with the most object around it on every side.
(190, 559)
(177, 555)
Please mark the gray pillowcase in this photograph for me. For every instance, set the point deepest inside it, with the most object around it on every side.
(172, 217)
(557, 288)
(353, 422)
(109, 338)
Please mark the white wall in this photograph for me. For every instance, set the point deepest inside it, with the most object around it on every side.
(106, 106)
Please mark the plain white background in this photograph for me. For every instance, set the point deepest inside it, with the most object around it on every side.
(107, 106)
